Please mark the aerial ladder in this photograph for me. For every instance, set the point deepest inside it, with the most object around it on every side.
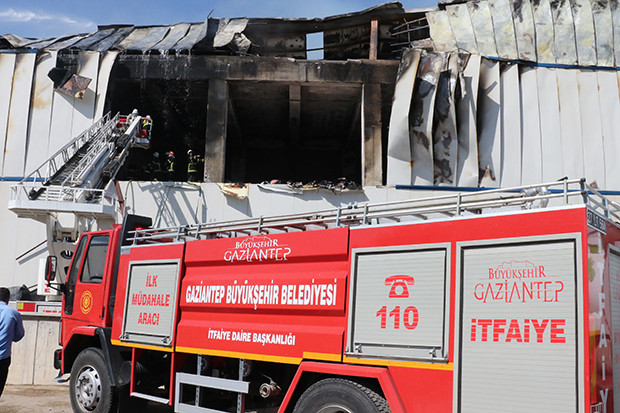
(75, 189)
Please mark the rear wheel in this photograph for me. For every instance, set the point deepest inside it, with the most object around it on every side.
(90, 386)
(340, 396)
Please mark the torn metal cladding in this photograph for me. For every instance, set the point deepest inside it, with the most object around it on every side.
(75, 86)
(445, 143)
(566, 32)
(421, 118)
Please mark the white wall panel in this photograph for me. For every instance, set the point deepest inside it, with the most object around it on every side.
(524, 27)
(584, 32)
(609, 99)
(510, 126)
(467, 159)
(102, 83)
(615, 19)
(462, 28)
(83, 118)
(565, 48)
(591, 127)
(7, 69)
(601, 13)
(399, 146)
(421, 122)
(482, 22)
(40, 111)
(489, 129)
(504, 29)
(531, 169)
(441, 31)
(17, 127)
(550, 128)
(570, 123)
(62, 118)
(545, 42)
(445, 140)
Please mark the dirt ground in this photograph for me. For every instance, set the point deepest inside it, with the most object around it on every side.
(29, 399)
(47, 399)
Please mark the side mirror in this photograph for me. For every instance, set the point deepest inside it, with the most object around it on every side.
(50, 269)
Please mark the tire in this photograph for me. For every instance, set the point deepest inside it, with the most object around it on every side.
(90, 386)
(340, 396)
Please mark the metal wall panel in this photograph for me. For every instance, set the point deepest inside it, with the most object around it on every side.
(609, 99)
(565, 48)
(570, 123)
(584, 32)
(524, 27)
(480, 14)
(550, 127)
(399, 300)
(62, 118)
(518, 341)
(461, 28)
(510, 126)
(441, 31)
(615, 20)
(83, 118)
(17, 126)
(445, 141)
(7, 69)
(603, 30)
(176, 33)
(399, 146)
(489, 129)
(543, 22)
(40, 111)
(467, 159)
(105, 68)
(154, 36)
(591, 127)
(504, 29)
(421, 121)
(531, 170)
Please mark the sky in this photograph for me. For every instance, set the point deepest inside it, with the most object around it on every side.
(45, 18)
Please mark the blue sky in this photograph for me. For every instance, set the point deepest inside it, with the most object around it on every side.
(47, 18)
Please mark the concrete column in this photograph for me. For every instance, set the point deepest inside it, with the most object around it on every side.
(215, 142)
(371, 135)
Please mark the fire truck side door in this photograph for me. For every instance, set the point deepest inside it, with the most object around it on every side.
(85, 282)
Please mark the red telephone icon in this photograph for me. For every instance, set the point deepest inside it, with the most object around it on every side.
(399, 285)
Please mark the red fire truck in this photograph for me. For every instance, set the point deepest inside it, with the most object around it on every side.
(502, 300)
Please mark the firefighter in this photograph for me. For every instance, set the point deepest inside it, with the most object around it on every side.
(154, 167)
(193, 166)
(170, 161)
(146, 124)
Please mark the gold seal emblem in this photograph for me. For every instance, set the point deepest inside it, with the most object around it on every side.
(86, 302)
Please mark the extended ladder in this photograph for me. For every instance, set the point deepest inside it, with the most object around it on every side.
(561, 192)
(77, 177)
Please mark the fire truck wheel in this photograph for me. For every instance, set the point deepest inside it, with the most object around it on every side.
(90, 386)
(340, 396)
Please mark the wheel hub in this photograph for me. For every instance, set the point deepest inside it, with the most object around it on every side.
(88, 388)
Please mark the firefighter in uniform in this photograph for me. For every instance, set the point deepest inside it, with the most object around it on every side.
(193, 166)
(170, 161)
(154, 168)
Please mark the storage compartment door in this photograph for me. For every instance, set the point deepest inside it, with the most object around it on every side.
(518, 347)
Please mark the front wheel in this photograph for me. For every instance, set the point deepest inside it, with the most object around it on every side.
(340, 396)
(90, 386)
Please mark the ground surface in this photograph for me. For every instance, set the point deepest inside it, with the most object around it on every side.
(46, 399)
